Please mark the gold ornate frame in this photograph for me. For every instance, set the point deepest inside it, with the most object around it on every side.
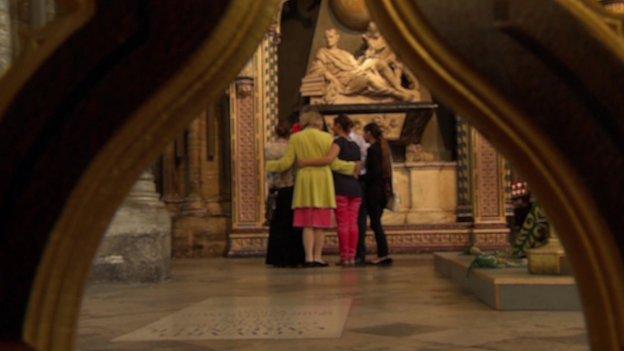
(56, 293)
(595, 257)
(54, 304)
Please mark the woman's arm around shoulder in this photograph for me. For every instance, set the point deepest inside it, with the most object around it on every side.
(322, 161)
(284, 163)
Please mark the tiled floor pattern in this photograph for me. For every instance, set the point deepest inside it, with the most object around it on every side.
(238, 304)
(249, 318)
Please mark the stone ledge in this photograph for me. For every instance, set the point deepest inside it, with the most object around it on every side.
(244, 242)
(510, 289)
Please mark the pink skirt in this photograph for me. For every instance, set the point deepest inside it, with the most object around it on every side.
(310, 217)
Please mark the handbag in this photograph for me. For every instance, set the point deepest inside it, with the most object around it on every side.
(393, 203)
(392, 199)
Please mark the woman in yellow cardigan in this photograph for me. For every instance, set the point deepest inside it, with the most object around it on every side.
(314, 198)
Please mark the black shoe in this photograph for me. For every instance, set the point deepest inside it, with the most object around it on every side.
(386, 262)
(309, 264)
(320, 264)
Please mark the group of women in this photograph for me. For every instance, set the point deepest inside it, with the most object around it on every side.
(320, 181)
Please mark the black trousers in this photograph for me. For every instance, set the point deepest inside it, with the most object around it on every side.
(375, 211)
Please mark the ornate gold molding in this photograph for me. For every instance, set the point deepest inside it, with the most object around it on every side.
(57, 291)
(584, 232)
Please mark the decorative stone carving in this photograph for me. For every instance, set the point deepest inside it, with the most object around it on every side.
(464, 170)
(401, 239)
(489, 196)
(247, 168)
(416, 153)
(337, 77)
(137, 245)
(390, 123)
(244, 87)
(490, 199)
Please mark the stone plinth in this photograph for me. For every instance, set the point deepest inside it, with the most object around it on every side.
(137, 245)
(510, 289)
(427, 193)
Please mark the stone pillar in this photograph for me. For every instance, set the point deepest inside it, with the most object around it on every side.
(464, 171)
(193, 203)
(38, 13)
(247, 178)
(137, 245)
(213, 241)
(171, 196)
(509, 209)
(6, 46)
(212, 159)
(253, 117)
(270, 45)
(489, 195)
(191, 227)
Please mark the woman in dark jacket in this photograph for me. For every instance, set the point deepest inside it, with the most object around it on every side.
(285, 245)
(378, 185)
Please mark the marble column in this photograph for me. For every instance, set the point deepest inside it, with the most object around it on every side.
(193, 203)
(137, 244)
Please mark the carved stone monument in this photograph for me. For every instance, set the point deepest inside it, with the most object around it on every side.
(374, 78)
(336, 76)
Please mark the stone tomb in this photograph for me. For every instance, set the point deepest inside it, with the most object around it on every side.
(426, 189)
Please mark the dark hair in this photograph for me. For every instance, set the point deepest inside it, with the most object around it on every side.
(283, 128)
(374, 129)
(344, 122)
(386, 159)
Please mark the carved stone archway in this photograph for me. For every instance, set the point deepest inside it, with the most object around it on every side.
(129, 75)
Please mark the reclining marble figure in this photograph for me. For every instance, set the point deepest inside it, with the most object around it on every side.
(377, 74)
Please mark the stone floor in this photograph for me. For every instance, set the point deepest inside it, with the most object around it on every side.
(239, 304)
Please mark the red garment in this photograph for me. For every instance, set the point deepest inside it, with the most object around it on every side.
(295, 128)
(309, 217)
(347, 212)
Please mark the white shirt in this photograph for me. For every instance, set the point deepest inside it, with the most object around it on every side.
(363, 145)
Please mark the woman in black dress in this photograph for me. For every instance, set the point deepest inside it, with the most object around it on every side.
(378, 187)
(285, 245)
